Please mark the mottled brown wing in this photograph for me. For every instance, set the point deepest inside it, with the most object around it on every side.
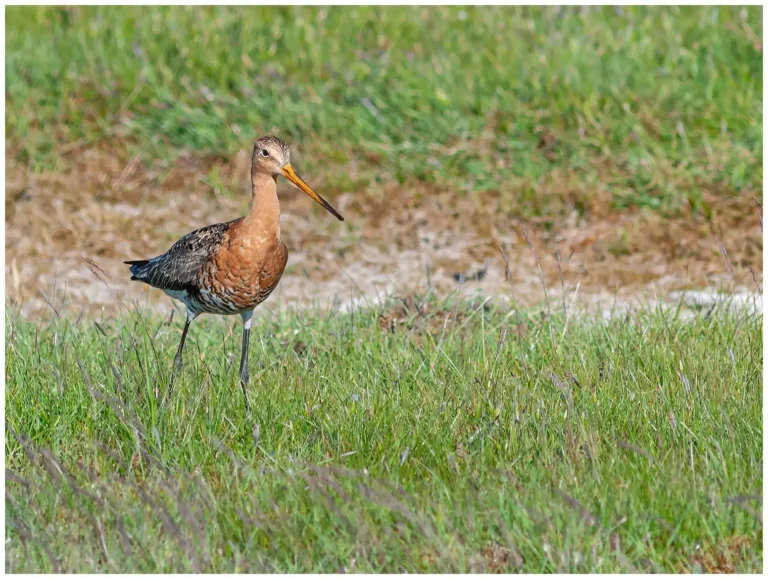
(178, 268)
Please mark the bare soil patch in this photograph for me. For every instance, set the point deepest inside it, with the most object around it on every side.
(107, 206)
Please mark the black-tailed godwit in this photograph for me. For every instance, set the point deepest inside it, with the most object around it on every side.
(230, 268)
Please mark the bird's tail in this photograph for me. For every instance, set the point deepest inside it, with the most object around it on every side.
(138, 267)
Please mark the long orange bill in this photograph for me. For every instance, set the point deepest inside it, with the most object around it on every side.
(291, 175)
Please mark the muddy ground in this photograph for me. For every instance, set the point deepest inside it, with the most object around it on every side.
(65, 230)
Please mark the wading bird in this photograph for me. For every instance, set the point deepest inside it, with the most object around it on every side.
(230, 268)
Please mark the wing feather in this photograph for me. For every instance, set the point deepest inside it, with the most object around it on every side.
(177, 269)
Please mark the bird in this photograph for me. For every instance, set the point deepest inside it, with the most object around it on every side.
(230, 268)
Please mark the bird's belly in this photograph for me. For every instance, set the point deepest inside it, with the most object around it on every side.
(235, 291)
(181, 295)
(218, 302)
(232, 300)
(204, 301)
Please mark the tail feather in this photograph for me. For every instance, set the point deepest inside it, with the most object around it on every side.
(137, 266)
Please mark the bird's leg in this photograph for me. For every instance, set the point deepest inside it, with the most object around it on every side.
(177, 361)
(244, 358)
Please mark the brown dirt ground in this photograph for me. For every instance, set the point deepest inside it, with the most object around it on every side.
(107, 206)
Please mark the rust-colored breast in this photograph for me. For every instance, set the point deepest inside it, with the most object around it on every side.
(243, 272)
(272, 269)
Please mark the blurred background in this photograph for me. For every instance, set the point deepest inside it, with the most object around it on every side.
(627, 140)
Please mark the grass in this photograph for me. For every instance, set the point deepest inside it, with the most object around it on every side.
(422, 436)
(656, 105)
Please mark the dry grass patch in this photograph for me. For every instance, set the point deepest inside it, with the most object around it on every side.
(108, 206)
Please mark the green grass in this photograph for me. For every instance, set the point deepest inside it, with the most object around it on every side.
(438, 446)
(655, 104)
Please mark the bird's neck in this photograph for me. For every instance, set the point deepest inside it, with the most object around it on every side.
(264, 215)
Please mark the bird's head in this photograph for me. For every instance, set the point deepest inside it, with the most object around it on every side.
(272, 156)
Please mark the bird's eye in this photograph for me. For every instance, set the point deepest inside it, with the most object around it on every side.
(264, 153)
